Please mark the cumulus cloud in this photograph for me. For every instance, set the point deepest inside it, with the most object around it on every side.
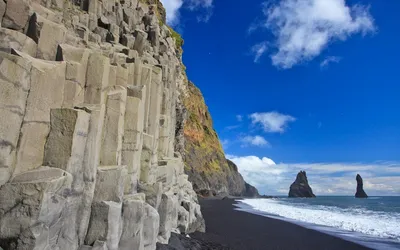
(173, 7)
(330, 59)
(257, 141)
(239, 118)
(272, 122)
(258, 50)
(325, 178)
(303, 28)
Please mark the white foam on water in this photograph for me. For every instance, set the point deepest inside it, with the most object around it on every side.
(373, 223)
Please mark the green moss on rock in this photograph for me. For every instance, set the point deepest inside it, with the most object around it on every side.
(204, 157)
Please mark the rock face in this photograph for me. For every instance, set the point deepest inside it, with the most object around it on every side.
(204, 157)
(300, 187)
(360, 193)
(250, 191)
(91, 95)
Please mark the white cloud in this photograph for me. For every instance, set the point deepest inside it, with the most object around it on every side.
(330, 59)
(257, 140)
(272, 121)
(303, 28)
(193, 4)
(239, 118)
(258, 50)
(324, 178)
(173, 7)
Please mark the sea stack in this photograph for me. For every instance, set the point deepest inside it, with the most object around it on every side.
(300, 187)
(360, 193)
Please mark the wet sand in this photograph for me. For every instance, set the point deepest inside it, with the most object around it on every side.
(232, 229)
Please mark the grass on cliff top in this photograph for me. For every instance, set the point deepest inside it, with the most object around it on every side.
(178, 39)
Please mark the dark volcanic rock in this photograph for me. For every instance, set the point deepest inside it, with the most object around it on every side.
(181, 242)
(360, 191)
(300, 187)
(250, 191)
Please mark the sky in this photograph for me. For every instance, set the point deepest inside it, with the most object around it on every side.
(296, 85)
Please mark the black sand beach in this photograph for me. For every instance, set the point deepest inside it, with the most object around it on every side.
(240, 230)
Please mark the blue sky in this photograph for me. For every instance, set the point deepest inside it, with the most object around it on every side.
(300, 84)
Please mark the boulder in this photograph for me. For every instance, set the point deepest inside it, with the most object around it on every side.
(360, 193)
(300, 187)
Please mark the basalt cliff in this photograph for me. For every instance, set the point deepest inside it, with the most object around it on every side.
(95, 110)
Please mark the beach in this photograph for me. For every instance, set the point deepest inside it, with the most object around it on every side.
(232, 229)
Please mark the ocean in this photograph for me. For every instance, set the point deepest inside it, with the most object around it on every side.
(373, 222)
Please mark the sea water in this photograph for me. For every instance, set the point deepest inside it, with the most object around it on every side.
(373, 222)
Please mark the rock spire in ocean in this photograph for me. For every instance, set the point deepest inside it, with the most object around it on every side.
(360, 193)
(300, 187)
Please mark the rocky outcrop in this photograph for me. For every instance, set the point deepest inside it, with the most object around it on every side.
(360, 193)
(300, 187)
(89, 92)
(250, 191)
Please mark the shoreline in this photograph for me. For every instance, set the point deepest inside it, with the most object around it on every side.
(240, 230)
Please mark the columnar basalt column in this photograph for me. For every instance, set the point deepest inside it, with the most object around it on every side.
(147, 172)
(113, 128)
(91, 162)
(46, 93)
(75, 76)
(146, 81)
(133, 136)
(65, 149)
(122, 75)
(97, 78)
(14, 89)
(155, 111)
